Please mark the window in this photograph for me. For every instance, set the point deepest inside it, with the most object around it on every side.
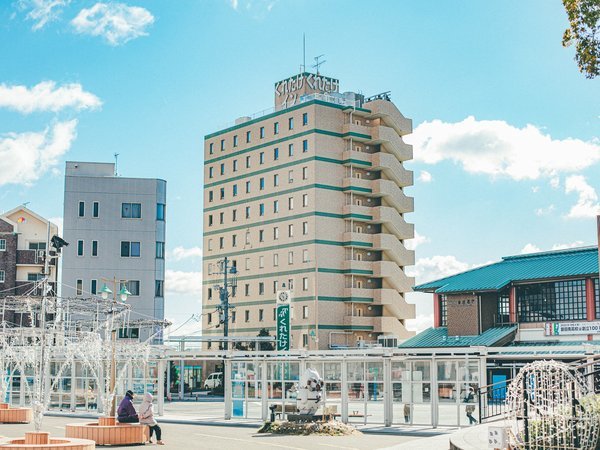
(304, 146)
(210, 291)
(235, 190)
(274, 313)
(133, 286)
(130, 249)
(443, 311)
(94, 248)
(275, 259)
(247, 237)
(597, 296)
(2, 245)
(305, 284)
(261, 262)
(159, 288)
(94, 287)
(290, 257)
(276, 180)
(222, 168)
(305, 119)
(291, 203)
(160, 211)
(79, 287)
(290, 176)
(160, 250)
(305, 256)
(222, 145)
(95, 210)
(37, 246)
(210, 172)
(210, 245)
(234, 240)
(261, 158)
(2, 276)
(247, 162)
(305, 312)
(235, 165)
(234, 215)
(247, 316)
(221, 218)
(221, 243)
(232, 316)
(131, 210)
(276, 128)
(304, 340)
(291, 230)
(304, 227)
(209, 317)
(262, 132)
(291, 123)
(210, 196)
(248, 136)
(503, 312)
(246, 289)
(80, 248)
(261, 288)
(275, 154)
(261, 209)
(221, 193)
(305, 173)
(261, 235)
(291, 150)
(235, 140)
(247, 265)
(129, 333)
(34, 276)
(261, 315)
(81, 209)
(275, 233)
(210, 148)
(247, 187)
(247, 212)
(304, 199)
(210, 220)
(559, 300)
(261, 183)
(276, 206)
(291, 284)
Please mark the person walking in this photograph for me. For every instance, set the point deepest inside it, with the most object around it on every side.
(126, 412)
(147, 418)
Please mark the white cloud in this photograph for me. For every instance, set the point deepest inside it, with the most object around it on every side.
(530, 248)
(587, 202)
(116, 22)
(183, 283)
(566, 246)
(257, 8)
(545, 211)
(413, 243)
(46, 96)
(428, 269)
(535, 189)
(41, 12)
(25, 157)
(555, 182)
(420, 322)
(179, 253)
(234, 4)
(425, 177)
(496, 148)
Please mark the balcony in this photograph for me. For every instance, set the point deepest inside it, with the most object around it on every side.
(357, 158)
(393, 221)
(393, 143)
(358, 212)
(359, 321)
(391, 325)
(392, 117)
(30, 257)
(362, 240)
(393, 195)
(358, 133)
(394, 249)
(391, 299)
(358, 267)
(392, 168)
(358, 185)
(394, 276)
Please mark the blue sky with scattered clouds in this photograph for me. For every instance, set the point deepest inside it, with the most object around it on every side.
(506, 130)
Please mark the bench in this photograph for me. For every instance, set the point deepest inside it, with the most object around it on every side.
(109, 432)
(276, 409)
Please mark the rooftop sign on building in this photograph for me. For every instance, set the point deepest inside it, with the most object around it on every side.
(289, 91)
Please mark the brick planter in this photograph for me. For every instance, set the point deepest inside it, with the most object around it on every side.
(109, 432)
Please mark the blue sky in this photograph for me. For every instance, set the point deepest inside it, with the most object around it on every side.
(507, 150)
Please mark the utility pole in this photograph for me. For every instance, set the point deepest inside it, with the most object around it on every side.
(229, 281)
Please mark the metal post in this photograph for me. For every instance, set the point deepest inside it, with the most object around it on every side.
(225, 302)
(168, 393)
(227, 389)
(525, 413)
(73, 384)
(388, 408)
(434, 394)
(264, 389)
(181, 385)
(113, 371)
(161, 387)
(344, 391)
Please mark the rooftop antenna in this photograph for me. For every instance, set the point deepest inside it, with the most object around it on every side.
(303, 52)
(318, 63)
(25, 204)
(116, 164)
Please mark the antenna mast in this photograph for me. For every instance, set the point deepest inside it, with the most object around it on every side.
(318, 63)
(116, 164)
(303, 52)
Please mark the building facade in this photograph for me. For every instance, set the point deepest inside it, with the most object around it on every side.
(115, 227)
(309, 197)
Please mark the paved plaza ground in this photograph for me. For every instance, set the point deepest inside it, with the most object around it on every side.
(181, 436)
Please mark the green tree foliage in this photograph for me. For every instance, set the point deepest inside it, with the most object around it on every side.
(584, 32)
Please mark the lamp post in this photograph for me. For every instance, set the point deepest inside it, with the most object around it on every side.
(123, 294)
(229, 273)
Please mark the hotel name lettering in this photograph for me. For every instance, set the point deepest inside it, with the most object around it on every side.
(307, 83)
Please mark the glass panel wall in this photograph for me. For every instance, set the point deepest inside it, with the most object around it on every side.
(559, 300)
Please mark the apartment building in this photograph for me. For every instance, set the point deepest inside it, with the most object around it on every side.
(310, 197)
(116, 230)
(24, 246)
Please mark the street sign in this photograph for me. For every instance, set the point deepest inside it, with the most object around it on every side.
(283, 320)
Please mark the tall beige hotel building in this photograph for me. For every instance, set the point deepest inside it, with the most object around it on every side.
(309, 197)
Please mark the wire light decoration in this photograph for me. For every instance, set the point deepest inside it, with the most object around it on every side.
(550, 406)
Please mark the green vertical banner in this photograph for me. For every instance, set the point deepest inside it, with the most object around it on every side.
(283, 327)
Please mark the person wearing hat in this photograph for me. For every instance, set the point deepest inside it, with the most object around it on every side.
(126, 412)
(147, 418)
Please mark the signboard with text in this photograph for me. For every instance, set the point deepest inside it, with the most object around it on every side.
(571, 328)
(289, 91)
(283, 320)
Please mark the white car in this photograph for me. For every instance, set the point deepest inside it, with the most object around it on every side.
(214, 380)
